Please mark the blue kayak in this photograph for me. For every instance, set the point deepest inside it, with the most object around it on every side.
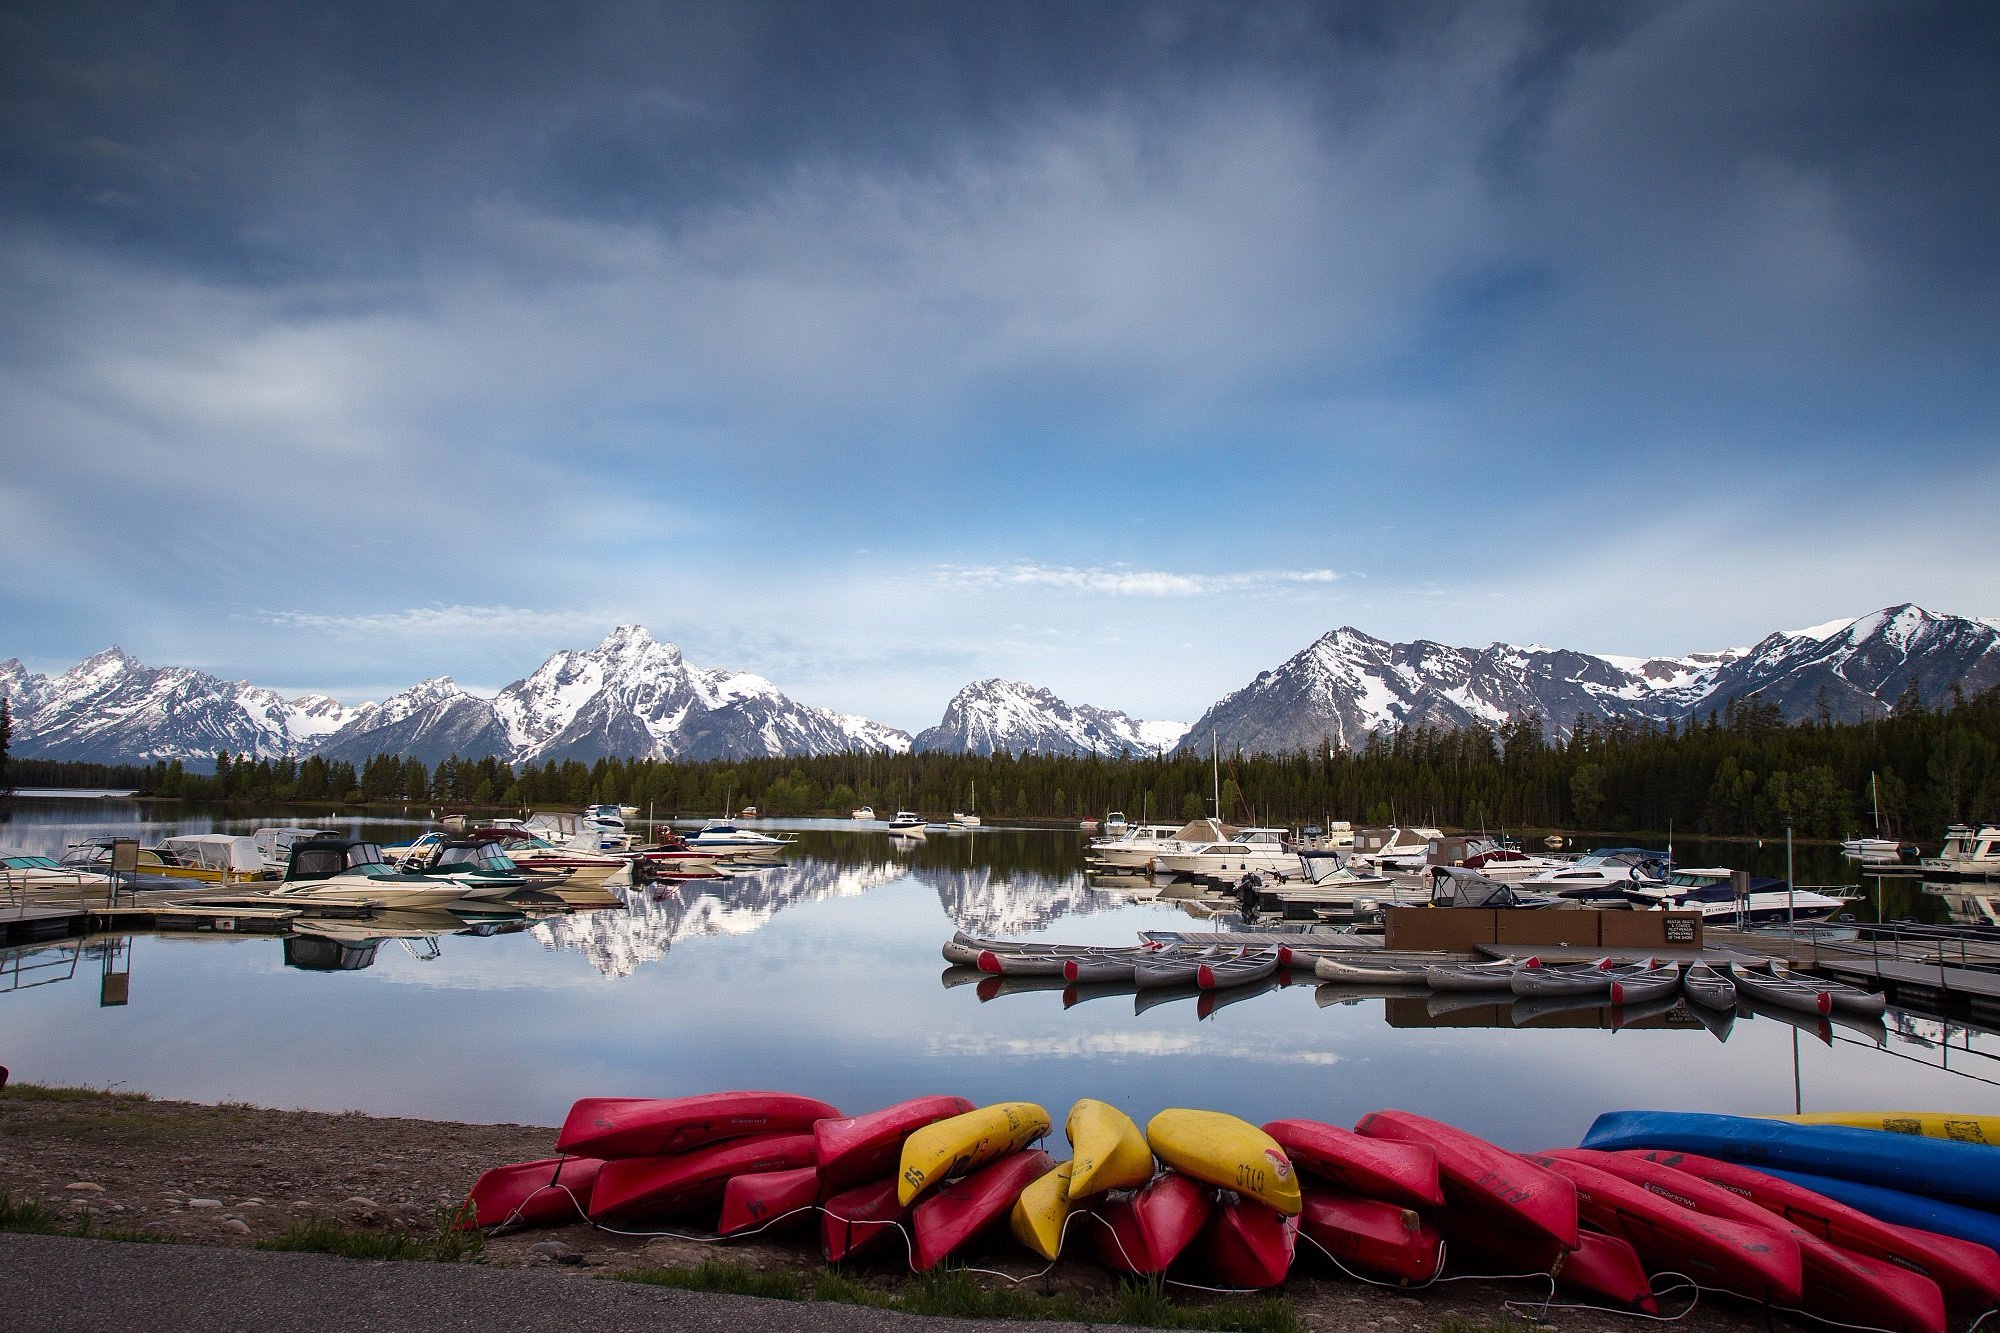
(1966, 1173)
(1905, 1210)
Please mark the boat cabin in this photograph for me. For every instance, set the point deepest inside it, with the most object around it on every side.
(323, 858)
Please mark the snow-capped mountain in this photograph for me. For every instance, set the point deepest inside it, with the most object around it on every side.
(114, 709)
(990, 715)
(1348, 684)
(430, 721)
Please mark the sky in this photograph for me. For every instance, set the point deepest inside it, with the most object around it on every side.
(876, 348)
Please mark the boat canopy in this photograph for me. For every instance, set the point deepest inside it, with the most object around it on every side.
(1206, 830)
(215, 851)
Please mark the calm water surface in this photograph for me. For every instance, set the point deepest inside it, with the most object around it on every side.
(822, 975)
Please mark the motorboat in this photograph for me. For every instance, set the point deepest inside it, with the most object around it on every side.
(212, 858)
(1597, 874)
(1455, 886)
(22, 870)
(864, 812)
(1969, 852)
(275, 843)
(907, 824)
(478, 864)
(1114, 825)
(722, 835)
(567, 830)
(1712, 892)
(350, 872)
(1491, 857)
(528, 852)
(1254, 851)
(1140, 843)
(607, 818)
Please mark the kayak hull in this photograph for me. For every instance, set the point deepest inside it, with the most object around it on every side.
(1107, 1150)
(553, 1190)
(1404, 1173)
(1223, 1150)
(1246, 1245)
(1486, 1187)
(1144, 1231)
(1381, 1239)
(962, 1142)
(956, 1214)
(857, 1219)
(633, 1189)
(655, 1127)
(1040, 1217)
(768, 1201)
(854, 1150)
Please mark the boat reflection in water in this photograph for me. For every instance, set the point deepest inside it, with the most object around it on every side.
(349, 945)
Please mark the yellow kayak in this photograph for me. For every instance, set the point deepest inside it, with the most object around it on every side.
(1111, 1153)
(1042, 1212)
(953, 1147)
(1926, 1124)
(1226, 1151)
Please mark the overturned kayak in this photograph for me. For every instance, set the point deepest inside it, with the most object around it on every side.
(856, 1149)
(555, 1189)
(1144, 1231)
(956, 1214)
(640, 1188)
(950, 1147)
(1383, 1239)
(1487, 1188)
(1223, 1150)
(1246, 1245)
(655, 1126)
(1924, 1124)
(1404, 1173)
(1041, 1214)
(759, 1202)
(1108, 1151)
(857, 1219)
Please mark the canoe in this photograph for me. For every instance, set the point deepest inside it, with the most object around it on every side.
(1486, 1187)
(954, 1215)
(1966, 1173)
(1641, 987)
(1471, 976)
(1923, 1124)
(1403, 1173)
(1968, 1273)
(654, 1127)
(1836, 1286)
(1223, 974)
(1370, 972)
(1107, 1150)
(855, 1149)
(637, 1188)
(1754, 1262)
(1176, 969)
(1535, 979)
(1040, 1217)
(1144, 1231)
(857, 1219)
(1246, 1245)
(1709, 988)
(752, 1204)
(1904, 1209)
(1381, 1239)
(954, 1146)
(552, 1190)
(1786, 992)
(1117, 967)
(1218, 1148)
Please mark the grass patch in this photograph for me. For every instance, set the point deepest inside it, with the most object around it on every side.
(1458, 1323)
(27, 1215)
(443, 1244)
(956, 1293)
(48, 1092)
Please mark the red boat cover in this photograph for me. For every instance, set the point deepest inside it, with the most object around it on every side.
(855, 1219)
(1503, 1190)
(1246, 1244)
(1385, 1239)
(634, 1188)
(763, 1202)
(1968, 1273)
(1839, 1286)
(962, 1209)
(856, 1149)
(1751, 1261)
(1144, 1230)
(1405, 1173)
(553, 1190)
(654, 1127)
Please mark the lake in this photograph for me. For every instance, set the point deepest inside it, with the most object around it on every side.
(822, 975)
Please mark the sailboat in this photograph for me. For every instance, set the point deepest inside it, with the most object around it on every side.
(965, 818)
(1877, 848)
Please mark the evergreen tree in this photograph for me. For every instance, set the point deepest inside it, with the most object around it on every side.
(6, 742)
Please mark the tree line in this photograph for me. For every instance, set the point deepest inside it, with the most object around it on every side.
(1741, 770)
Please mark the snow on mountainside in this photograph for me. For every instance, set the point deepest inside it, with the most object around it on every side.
(990, 715)
(1348, 685)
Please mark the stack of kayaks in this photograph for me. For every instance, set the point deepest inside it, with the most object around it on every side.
(1859, 1226)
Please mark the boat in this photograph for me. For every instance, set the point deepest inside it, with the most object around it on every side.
(1227, 1152)
(1253, 851)
(1783, 990)
(1969, 852)
(1474, 976)
(966, 818)
(1455, 886)
(1139, 844)
(552, 1190)
(951, 1218)
(1917, 1211)
(1926, 1124)
(1352, 971)
(1202, 970)
(655, 1126)
(1536, 978)
(484, 870)
(1114, 966)
(1967, 1173)
(1107, 1149)
(31, 871)
(854, 1149)
(211, 858)
(1645, 985)
(758, 1202)
(631, 1189)
(567, 830)
(1487, 1189)
(1040, 1215)
(350, 872)
(1712, 891)
(1394, 849)
(605, 818)
(951, 1147)
(1113, 824)
(1491, 857)
(274, 843)
(863, 812)
(1146, 1230)
(1383, 1239)
(1603, 869)
(907, 823)
(1709, 988)
(857, 1219)
(1401, 1173)
(722, 835)
(1246, 1246)
(583, 865)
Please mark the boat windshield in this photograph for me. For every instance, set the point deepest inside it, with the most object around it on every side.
(29, 863)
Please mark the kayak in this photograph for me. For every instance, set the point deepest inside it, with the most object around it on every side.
(1040, 1216)
(1144, 1231)
(1966, 1173)
(638, 1188)
(958, 1144)
(1219, 1148)
(1754, 1262)
(1401, 1173)
(856, 1149)
(1108, 1151)
(1608, 1268)
(751, 1204)
(853, 1220)
(1924, 1124)
(1968, 1273)
(1384, 1239)
(555, 1189)
(654, 1126)
(1837, 1286)
(1486, 1187)
(1709, 988)
(1246, 1245)
(954, 1215)
(1907, 1210)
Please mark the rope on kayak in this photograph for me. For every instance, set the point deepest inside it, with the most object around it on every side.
(1550, 1303)
(1377, 1282)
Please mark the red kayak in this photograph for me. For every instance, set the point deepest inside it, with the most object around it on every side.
(655, 1127)
(1384, 1239)
(1246, 1245)
(1145, 1230)
(767, 1201)
(1405, 1173)
(1488, 1188)
(553, 1190)
(1967, 1272)
(1608, 1269)
(854, 1219)
(962, 1209)
(1839, 1287)
(856, 1149)
(1750, 1261)
(634, 1188)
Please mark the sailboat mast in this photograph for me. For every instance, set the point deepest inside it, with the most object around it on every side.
(1215, 775)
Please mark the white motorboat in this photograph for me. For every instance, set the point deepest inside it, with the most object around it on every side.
(574, 831)
(907, 824)
(1712, 892)
(605, 818)
(1601, 874)
(274, 843)
(1969, 853)
(1114, 825)
(1261, 851)
(21, 870)
(1490, 857)
(864, 812)
(349, 872)
(1142, 842)
(213, 858)
(722, 835)
(1393, 849)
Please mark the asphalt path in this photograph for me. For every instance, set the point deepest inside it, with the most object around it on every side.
(62, 1282)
